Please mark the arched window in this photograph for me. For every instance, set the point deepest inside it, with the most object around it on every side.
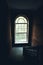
(21, 30)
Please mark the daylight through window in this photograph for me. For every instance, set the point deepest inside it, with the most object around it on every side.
(21, 30)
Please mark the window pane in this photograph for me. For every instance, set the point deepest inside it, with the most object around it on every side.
(21, 20)
(21, 38)
(21, 28)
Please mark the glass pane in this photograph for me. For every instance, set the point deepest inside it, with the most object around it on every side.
(21, 38)
(21, 28)
(21, 19)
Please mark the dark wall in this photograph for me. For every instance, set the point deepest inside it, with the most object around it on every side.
(37, 33)
(3, 30)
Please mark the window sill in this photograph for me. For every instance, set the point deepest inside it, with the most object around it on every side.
(20, 45)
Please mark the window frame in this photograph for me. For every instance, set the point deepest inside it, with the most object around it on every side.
(22, 23)
(13, 29)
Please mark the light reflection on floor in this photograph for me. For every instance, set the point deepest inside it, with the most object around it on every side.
(17, 53)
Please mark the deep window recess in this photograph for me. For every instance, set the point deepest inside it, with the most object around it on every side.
(21, 30)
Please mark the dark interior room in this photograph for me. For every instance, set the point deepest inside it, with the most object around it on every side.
(21, 32)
